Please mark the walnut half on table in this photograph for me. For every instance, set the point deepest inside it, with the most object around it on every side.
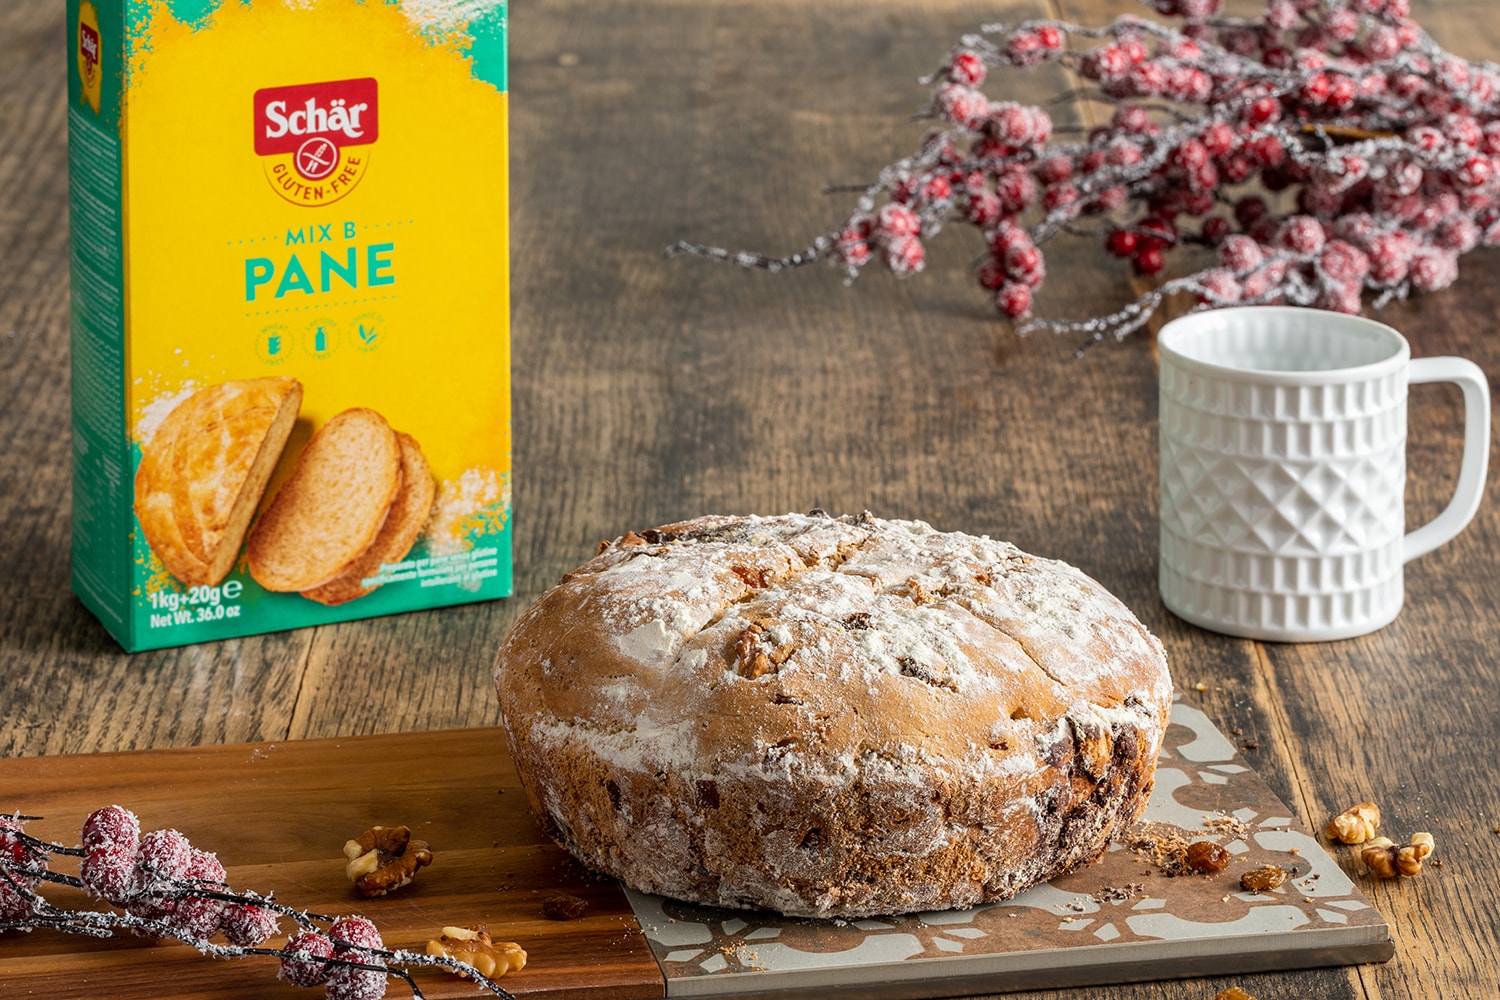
(473, 945)
(383, 859)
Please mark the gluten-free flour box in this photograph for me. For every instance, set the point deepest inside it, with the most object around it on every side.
(290, 312)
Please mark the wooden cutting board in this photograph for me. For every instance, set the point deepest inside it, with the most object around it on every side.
(278, 814)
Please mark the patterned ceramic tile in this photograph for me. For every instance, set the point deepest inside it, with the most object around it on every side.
(1122, 919)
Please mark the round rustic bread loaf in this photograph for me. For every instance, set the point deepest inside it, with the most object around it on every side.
(831, 716)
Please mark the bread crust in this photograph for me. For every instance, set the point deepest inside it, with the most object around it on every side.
(831, 717)
(331, 508)
(205, 469)
(402, 526)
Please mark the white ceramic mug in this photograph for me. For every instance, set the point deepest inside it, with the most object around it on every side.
(1283, 470)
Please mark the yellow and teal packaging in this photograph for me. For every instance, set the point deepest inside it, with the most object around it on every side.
(310, 191)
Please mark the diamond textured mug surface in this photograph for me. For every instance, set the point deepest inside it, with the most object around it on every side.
(1283, 470)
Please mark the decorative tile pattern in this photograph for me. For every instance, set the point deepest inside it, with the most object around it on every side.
(1122, 917)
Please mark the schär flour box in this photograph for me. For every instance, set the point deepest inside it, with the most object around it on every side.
(290, 311)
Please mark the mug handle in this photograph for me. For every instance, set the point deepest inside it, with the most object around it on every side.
(1461, 509)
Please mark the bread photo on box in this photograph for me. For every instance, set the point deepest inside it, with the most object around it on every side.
(831, 717)
(358, 496)
(204, 470)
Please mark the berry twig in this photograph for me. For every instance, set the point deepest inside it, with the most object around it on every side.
(1327, 153)
(166, 888)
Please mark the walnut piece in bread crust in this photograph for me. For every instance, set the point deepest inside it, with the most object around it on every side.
(831, 716)
(204, 471)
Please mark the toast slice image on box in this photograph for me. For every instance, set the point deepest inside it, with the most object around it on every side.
(204, 471)
(408, 515)
(331, 508)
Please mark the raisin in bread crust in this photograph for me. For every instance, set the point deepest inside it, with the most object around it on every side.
(831, 717)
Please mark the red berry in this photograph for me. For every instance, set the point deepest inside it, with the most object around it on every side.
(1026, 265)
(1390, 257)
(1189, 85)
(249, 926)
(991, 273)
(1458, 233)
(1218, 287)
(1344, 262)
(1051, 37)
(1382, 42)
(1343, 297)
(896, 220)
(1166, 233)
(306, 965)
(1265, 151)
(1240, 254)
(112, 824)
(963, 106)
(1426, 138)
(1302, 234)
(164, 854)
(1189, 156)
(1054, 168)
(1121, 242)
(16, 904)
(1475, 171)
(1148, 79)
(196, 918)
(852, 249)
(1433, 269)
(108, 870)
(351, 936)
(1215, 229)
(1149, 260)
(1463, 130)
(1217, 139)
(1236, 168)
(1109, 199)
(967, 68)
(1131, 118)
(1403, 178)
(1011, 123)
(1264, 111)
(1106, 63)
(1341, 91)
(904, 255)
(1059, 195)
(982, 208)
(1025, 48)
(1013, 300)
(1005, 236)
(1016, 191)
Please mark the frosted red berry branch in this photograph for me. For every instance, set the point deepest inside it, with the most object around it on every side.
(1325, 153)
(166, 888)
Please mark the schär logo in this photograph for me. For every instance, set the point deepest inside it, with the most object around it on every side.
(90, 56)
(313, 137)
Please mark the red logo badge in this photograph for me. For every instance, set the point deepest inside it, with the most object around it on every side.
(306, 134)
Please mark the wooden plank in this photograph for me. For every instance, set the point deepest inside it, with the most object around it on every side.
(277, 814)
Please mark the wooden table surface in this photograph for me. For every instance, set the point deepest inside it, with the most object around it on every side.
(649, 390)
